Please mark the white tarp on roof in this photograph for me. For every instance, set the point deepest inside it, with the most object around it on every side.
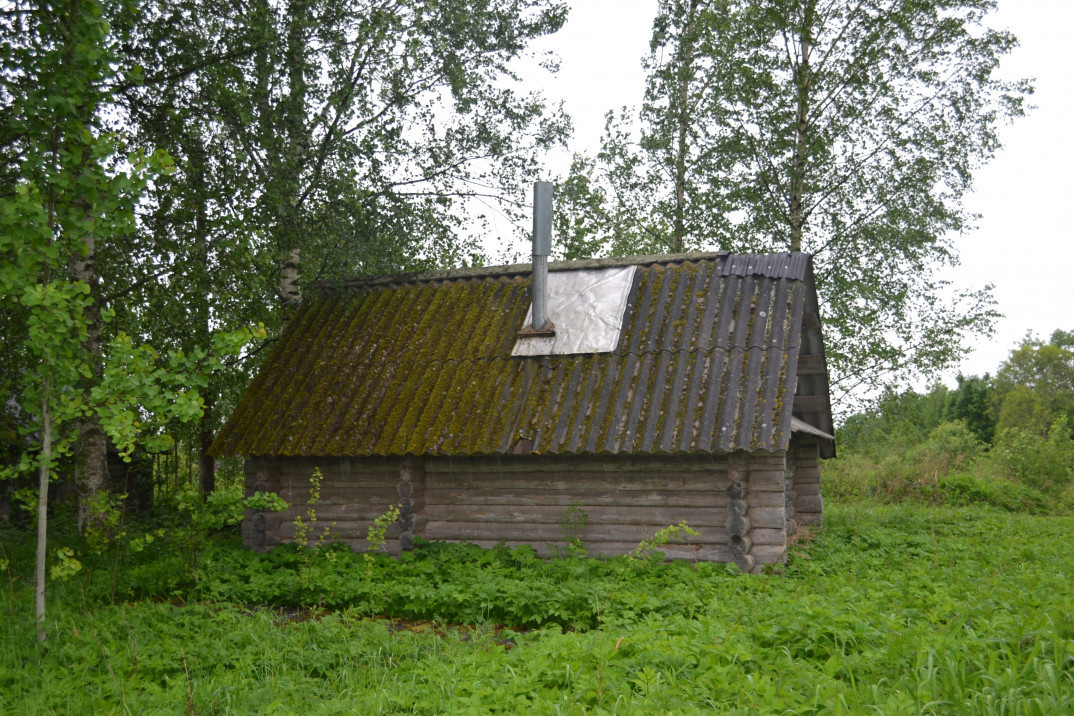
(587, 308)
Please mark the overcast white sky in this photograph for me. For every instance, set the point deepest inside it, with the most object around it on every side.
(1023, 240)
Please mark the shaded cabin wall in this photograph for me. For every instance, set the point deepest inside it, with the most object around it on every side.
(805, 506)
(738, 502)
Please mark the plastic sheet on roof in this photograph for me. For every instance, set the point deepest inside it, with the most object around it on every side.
(587, 309)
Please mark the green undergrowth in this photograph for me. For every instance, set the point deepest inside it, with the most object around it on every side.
(895, 609)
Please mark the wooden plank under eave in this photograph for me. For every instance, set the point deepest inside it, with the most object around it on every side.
(810, 404)
(811, 365)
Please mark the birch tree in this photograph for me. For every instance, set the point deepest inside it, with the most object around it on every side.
(73, 192)
(850, 129)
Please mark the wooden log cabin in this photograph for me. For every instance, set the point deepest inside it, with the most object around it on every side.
(666, 389)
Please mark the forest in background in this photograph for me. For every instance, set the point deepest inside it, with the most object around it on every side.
(1006, 440)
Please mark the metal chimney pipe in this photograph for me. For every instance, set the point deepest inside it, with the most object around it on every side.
(542, 247)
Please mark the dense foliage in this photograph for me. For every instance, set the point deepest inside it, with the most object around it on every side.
(901, 609)
(1006, 440)
(849, 129)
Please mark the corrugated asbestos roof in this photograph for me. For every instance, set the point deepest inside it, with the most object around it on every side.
(706, 362)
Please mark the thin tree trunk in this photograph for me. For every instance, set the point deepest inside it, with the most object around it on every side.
(686, 51)
(42, 509)
(92, 467)
(206, 464)
(296, 138)
(798, 162)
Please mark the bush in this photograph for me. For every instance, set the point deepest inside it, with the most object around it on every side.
(964, 490)
(1042, 463)
(895, 473)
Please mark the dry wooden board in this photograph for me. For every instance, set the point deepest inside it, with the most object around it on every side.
(604, 533)
(596, 517)
(567, 498)
(767, 517)
(769, 536)
(576, 481)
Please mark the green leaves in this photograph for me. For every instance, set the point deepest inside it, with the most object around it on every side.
(849, 130)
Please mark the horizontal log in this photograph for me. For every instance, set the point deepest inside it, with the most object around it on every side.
(300, 490)
(767, 461)
(596, 517)
(767, 517)
(348, 511)
(767, 499)
(693, 552)
(808, 503)
(567, 498)
(807, 488)
(768, 536)
(738, 508)
(337, 530)
(766, 480)
(577, 481)
(809, 518)
(811, 365)
(764, 554)
(554, 464)
(494, 531)
(384, 496)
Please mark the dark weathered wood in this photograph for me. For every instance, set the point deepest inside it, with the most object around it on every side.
(595, 516)
(766, 480)
(578, 464)
(698, 552)
(745, 563)
(738, 508)
(808, 503)
(808, 518)
(740, 545)
(767, 517)
(522, 495)
(810, 404)
(761, 498)
(569, 482)
(768, 536)
(472, 531)
(736, 525)
(524, 500)
(767, 461)
(768, 554)
(811, 365)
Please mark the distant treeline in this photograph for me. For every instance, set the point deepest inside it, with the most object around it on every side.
(1006, 439)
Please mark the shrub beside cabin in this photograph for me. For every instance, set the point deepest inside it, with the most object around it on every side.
(675, 388)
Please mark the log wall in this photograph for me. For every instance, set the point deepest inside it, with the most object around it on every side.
(740, 503)
(804, 490)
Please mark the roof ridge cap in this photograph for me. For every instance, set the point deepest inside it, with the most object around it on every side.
(511, 270)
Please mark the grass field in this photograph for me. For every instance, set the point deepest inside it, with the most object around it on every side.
(898, 609)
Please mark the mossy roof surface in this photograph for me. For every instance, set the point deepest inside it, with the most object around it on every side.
(420, 365)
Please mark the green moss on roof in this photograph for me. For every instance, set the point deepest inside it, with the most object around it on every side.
(424, 367)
